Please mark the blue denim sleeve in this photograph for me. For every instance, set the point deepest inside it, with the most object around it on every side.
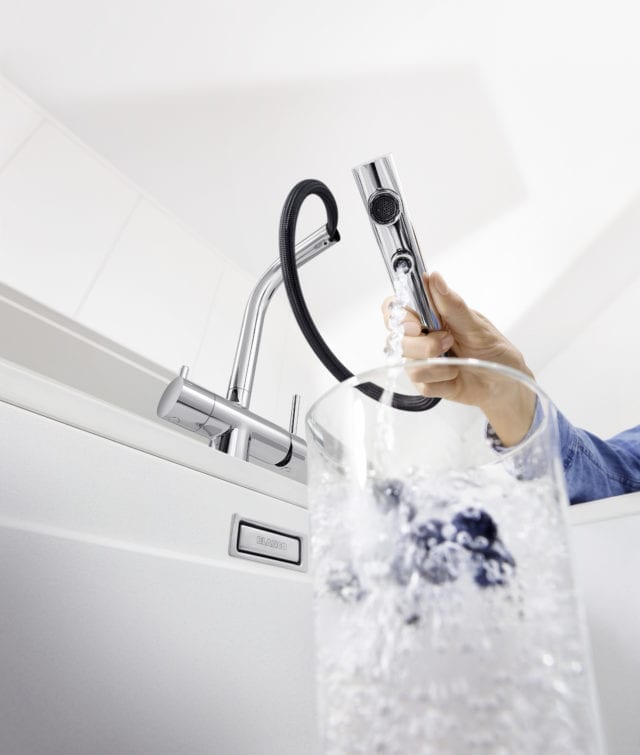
(596, 468)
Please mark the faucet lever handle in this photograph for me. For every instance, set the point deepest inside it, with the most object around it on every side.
(295, 410)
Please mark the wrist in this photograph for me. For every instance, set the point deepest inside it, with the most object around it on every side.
(511, 413)
(518, 363)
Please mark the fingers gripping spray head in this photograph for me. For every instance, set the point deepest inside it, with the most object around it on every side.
(381, 193)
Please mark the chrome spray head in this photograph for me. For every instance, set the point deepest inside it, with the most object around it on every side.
(381, 193)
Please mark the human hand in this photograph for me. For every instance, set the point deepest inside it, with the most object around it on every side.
(508, 405)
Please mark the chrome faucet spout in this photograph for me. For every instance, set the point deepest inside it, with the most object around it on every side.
(244, 363)
(227, 423)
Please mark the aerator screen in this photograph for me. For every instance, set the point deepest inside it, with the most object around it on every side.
(384, 207)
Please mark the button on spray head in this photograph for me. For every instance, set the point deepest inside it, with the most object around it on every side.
(382, 196)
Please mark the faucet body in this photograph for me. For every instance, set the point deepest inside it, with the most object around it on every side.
(227, 423)
(206, 413)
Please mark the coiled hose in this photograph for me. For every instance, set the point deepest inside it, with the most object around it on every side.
(288, 223)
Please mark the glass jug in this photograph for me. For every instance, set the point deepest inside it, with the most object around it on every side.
(446, 618)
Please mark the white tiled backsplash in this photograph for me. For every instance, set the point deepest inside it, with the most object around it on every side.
(61, 210)
(19, 120)
(161, 281)
(79, 237)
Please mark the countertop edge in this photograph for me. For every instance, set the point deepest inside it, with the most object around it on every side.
(42, 395)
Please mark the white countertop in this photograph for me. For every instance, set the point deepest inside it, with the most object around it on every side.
(606, 508)
(28, 390)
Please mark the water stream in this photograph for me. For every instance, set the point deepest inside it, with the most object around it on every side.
(397, 311)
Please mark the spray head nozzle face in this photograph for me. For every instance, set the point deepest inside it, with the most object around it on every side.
(381, 193)
(384, 207)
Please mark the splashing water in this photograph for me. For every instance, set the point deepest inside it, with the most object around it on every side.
(385, 438)
(393, 348)
(423, 648)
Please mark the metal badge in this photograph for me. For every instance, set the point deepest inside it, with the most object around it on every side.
(259, 541)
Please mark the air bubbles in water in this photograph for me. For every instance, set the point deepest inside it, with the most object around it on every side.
(449, 628)
(402, 299)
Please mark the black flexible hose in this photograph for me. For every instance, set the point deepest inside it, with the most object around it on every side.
(288, 223)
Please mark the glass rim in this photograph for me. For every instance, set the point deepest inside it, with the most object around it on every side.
(369, 376)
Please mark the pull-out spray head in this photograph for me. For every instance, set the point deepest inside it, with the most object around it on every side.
(384, 210)
(381, 193)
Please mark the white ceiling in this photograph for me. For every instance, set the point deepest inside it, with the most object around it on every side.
(75, 48)
(514, 124)
(84, 49)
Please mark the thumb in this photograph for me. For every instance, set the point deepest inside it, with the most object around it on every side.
(450, 305)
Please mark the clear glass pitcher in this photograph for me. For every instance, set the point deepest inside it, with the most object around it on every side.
(446, 617)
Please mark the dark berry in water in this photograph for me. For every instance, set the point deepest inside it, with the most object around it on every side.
(493, 566)
(498, 550)
(426, 551)
(474, 529)
(428, 533)
(441, 563)
(343, 581)
(489, 572)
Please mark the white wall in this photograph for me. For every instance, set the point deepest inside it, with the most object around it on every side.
(594, 381)
(80, 238)
(581, 334)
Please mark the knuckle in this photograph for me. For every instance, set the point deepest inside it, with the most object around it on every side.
(430, 347)
(426, 389)
(414, 375)
(410, 315)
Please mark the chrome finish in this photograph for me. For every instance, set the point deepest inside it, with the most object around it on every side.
(228, 423)
(273, 545)
(268, 544)
(195, 408)
(244, 364)
(295, 411)
(395, 235)
(299, 455)
(188, 405)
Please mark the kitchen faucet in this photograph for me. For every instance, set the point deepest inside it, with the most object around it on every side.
(227, 423)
